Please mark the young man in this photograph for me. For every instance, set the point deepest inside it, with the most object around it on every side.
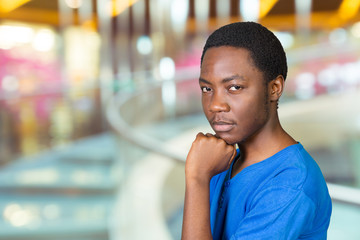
(273, 189)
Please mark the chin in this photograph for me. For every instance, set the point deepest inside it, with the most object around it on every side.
(227, 138)
(231, 142)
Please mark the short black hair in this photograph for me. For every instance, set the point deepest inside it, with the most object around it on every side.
(265, 48)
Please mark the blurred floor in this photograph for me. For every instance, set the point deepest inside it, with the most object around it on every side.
(65, 193)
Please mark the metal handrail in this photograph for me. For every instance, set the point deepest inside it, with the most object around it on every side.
(344, 194)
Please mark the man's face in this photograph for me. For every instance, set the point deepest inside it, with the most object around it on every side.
(234, 95)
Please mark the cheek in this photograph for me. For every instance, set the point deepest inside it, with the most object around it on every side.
(244, 108)
(205, 105)
(251, 115)
(203, 102)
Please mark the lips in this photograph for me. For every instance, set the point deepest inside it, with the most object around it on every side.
(222, 126)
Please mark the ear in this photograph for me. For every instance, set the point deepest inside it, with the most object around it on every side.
(276, 87)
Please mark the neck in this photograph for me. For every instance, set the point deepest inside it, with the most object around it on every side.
(270, 139)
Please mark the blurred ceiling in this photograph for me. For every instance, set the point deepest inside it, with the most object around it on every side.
(325, 14)
(31, 11)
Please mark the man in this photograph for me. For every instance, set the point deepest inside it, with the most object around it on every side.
(273, 189)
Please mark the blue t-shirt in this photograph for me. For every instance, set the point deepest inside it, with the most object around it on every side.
(282, 197)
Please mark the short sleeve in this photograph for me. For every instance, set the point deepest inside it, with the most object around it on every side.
(276, 213)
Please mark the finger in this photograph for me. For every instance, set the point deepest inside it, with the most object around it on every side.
(200, 134)
(214, 135)
(209, 135)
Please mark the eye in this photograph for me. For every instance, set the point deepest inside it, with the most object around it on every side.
(205, 89)
(235, 87)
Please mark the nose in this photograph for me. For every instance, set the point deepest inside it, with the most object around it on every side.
(218, 104)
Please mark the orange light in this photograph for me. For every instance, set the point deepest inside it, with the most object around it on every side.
(266, 6)
(118, 6)
(8, 6)
(348, 9)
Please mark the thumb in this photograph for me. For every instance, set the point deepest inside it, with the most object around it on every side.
(234, 155)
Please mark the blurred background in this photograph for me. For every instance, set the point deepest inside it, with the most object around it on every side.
(99, 104)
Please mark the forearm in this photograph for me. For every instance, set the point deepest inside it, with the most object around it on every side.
(207, 157)
(196, 221)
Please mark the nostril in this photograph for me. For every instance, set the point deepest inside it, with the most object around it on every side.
(219, 107)
(217, 103)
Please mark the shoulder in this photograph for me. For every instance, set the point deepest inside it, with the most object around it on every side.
(299, 176)
(293, 171)
(296, 169)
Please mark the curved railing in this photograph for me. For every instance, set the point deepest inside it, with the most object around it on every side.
(134, 135)
(119, 116)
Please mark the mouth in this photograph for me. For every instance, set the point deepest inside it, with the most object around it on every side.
(222, 126)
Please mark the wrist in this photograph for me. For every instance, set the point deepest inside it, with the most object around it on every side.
(199, 179)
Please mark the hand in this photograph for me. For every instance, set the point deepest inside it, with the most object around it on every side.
(208, 156)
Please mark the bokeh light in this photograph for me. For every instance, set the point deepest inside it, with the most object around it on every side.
(167, 68)
(144, 45)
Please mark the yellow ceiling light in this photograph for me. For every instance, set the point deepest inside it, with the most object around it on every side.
(118, 6)
(7, 6)
(348, 9)
(266, 6)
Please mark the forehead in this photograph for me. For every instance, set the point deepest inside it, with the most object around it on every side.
(224, 61)
(226, 54)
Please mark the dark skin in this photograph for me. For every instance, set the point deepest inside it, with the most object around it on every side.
(241, 108)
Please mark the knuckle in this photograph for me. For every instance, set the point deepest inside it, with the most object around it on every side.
(199, 135)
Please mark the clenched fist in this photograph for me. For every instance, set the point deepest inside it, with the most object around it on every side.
(207, 157)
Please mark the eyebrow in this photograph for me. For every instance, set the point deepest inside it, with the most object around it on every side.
(225, 80)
